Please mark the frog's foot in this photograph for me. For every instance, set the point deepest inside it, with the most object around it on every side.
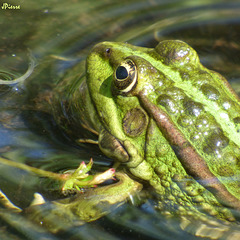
(80, 179)
(85, 206)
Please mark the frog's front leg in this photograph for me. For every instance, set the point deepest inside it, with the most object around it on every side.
(84, 207)
(90, 202)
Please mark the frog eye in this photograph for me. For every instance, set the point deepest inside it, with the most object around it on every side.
(126, 76)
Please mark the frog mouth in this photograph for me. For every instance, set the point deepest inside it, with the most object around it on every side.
(193, 163)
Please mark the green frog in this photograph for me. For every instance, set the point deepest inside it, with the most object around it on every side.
(163, 116)
(170, 123)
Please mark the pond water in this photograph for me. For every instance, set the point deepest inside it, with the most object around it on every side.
(68, 30)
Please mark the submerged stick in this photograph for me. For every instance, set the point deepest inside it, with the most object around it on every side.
(40, 172)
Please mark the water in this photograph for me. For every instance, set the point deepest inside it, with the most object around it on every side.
(68, 29)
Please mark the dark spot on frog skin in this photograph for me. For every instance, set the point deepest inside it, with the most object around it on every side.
(210, 92)
(176, 93)
(185, 121)
(215, 142)
(201, 78)
(236, 121)
(167, 102)
(202, 122)
(191, 107)
(177, 52)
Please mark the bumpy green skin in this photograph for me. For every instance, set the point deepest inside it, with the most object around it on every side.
(202, 109)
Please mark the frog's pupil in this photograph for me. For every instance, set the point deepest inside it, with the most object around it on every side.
(121, 73)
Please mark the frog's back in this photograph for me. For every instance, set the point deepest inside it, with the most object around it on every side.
(206, 110)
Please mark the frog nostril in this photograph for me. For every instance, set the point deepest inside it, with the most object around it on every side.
(108, 52)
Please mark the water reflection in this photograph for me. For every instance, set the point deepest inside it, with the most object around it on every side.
(68, 29)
